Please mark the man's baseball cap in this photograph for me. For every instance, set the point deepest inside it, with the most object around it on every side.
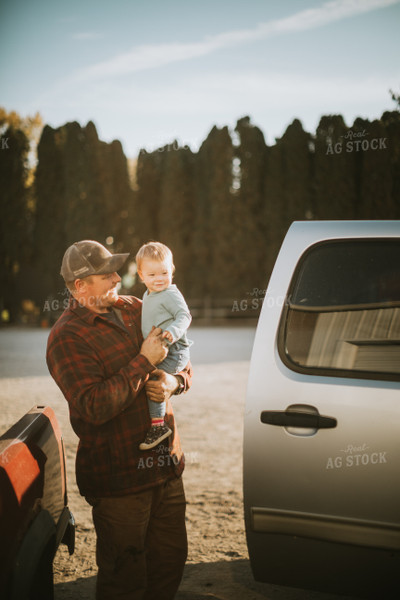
(89, 258)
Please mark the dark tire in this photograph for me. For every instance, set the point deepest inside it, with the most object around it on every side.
(42, 585)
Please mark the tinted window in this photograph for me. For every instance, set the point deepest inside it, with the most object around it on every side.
(343, 313)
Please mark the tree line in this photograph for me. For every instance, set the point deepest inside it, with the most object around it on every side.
(223, 209)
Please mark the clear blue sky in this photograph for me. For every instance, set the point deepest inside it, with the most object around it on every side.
(151, 71)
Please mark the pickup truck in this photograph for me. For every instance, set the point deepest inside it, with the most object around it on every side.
(322, 415)
(34, 513)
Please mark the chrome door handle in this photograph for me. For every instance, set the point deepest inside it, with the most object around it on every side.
(285, 418)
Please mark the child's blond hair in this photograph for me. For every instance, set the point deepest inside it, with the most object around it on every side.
(154, 251)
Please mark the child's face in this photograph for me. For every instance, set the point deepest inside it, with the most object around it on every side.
(155, 274)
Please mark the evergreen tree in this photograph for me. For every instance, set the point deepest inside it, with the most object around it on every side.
(373, 169)
(146, 201)
(86, 216)
(120, 222)
(335, 190)
(288, 186)
(250, 251)
(391, 123)
(175, 213)
(213, 235)
(83, 192)
(50, 237)
(15, 215)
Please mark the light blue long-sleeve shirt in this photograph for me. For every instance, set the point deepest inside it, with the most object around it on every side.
(166, 309)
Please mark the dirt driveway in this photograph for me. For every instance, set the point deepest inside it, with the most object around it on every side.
(210, 420)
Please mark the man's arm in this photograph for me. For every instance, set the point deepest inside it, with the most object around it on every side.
(166, 385)
(153, 347)
(80, 375)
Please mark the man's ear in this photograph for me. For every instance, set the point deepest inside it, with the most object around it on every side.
(80, 285)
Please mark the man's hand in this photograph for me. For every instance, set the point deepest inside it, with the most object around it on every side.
(162, 388)
(154, 347)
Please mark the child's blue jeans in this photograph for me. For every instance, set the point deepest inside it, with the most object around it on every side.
(177, 358)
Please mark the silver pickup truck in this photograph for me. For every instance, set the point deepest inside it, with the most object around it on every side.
(322, 418)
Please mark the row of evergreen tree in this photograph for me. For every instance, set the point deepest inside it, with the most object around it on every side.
(223, 210)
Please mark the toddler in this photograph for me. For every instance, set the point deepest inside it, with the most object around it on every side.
(165, 307)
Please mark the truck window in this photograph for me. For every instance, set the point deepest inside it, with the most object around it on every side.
(342, 315)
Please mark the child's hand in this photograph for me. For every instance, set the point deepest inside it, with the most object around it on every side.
(167, 335)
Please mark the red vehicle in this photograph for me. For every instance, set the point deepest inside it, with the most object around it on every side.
(34, 513)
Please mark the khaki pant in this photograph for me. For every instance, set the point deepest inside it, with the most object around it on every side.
(141, 543)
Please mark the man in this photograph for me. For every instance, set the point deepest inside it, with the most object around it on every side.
(98, 358)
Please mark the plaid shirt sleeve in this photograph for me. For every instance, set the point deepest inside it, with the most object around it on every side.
(97, 365)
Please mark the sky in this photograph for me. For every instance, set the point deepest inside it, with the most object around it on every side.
(148, 72)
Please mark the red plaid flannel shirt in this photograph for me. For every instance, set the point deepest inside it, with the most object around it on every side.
(97, 366)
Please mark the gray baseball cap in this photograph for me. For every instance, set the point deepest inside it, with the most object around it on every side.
(89, 258)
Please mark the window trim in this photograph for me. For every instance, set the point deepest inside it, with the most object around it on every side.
(283, 324)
